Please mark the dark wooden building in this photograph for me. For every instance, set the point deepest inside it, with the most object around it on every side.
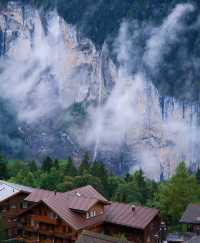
(61, 217)
(12, 203)
(137, 224)
(191, 218)
(45, 216)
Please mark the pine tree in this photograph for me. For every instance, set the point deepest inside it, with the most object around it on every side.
(33, 166)
(70, 169)
(176, 193)
(85, 164)
(198, 175)
(47, 164)
(3, 168)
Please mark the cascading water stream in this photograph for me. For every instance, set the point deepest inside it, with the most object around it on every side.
(101, 82)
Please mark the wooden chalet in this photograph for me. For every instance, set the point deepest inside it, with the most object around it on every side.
(191, 218)
(137, 224)
(12, 203)
(46, 216)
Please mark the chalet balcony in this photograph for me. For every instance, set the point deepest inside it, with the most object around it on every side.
(30, 228)
(43, 219)
(47, 232)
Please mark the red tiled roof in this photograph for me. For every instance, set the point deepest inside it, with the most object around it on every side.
(123, 214)
(88, 192)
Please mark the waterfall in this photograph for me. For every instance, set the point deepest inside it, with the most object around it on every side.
(101, 83)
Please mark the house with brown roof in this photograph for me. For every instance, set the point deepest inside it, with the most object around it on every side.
(62, 217)
(138, 224)
(12, 203)
(191, 217)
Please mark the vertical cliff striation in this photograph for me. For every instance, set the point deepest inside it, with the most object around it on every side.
(66, 96)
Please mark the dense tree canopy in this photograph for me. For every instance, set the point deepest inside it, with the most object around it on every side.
(62, 175)
(175, 194)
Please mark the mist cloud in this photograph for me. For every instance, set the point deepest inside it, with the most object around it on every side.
(46, 70)
(133, 111)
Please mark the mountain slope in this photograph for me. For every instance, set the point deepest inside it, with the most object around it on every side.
(125, 88)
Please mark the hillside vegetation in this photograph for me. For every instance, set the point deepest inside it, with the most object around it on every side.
(181, 189)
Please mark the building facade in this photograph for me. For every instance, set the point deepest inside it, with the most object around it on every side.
(46, 216)
(12, 203)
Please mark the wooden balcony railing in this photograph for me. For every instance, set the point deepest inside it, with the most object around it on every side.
(44, 219)
(47, 232)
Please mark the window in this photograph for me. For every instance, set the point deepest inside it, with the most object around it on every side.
(52, 215)
(24, 205)
(4, 210)
(13, 206)
(93, 214)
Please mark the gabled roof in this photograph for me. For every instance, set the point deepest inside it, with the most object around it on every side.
(87, 192)
(91, 237)
(191, 214)
(123, 214)
(81, 203)
(18, 187)
(61, 204)
(8, 190)
(66, 205)
(38, 195)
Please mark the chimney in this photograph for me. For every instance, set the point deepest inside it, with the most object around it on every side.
(133, 208)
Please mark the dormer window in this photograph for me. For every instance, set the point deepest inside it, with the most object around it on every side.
(93, 214)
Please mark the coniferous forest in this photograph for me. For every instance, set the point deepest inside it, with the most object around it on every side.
(171, 196)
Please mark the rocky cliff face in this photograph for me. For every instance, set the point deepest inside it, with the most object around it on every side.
(64, 96)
